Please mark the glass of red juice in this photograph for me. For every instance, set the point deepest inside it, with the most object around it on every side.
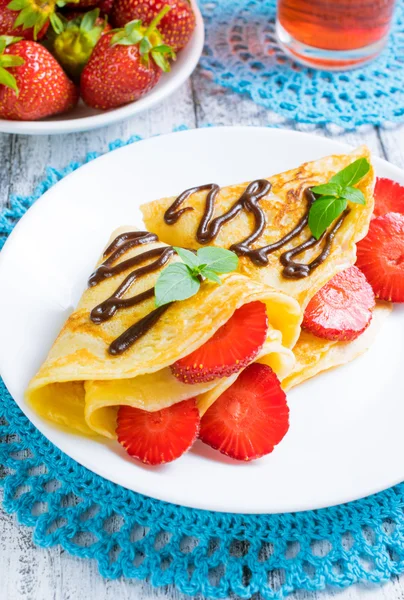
(333, 34)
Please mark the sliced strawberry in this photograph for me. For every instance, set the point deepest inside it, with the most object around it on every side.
(389, 197)
(342, 309)
(381, 257)
(250, 417)
(229, 350)
(158, 437)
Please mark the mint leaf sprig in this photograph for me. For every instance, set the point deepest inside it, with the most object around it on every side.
(333, 197)
(180, 281)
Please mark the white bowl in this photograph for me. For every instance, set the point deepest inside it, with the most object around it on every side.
(83, 118)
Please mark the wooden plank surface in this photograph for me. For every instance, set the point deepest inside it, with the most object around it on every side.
(31, 573)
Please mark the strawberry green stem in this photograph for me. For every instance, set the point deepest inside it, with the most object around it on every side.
(149, 40)
(7, 61)
(157, 19)
(7, 40)
(32, 13)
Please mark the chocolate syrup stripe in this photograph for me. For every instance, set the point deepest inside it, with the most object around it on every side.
(209, 228)
(107, 309)
(207, 231)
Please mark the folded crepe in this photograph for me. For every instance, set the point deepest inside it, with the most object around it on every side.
(116, 347)
(284, 255)
(284, 204)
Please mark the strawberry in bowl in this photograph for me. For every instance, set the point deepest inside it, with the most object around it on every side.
(176, 26)
(73, 46)
(125, 65)
(25, 18)
(32, 83)
(72, 34)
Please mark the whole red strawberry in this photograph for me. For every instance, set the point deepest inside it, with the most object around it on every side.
(176, 27)
(32, 84)
(125, 65)
(27, 18)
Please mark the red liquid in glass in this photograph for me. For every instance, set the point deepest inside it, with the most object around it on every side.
(336, 24)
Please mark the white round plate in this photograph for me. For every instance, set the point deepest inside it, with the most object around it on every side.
(345, 439)
(84, 118)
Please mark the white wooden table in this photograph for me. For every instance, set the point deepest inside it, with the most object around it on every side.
(31, 573)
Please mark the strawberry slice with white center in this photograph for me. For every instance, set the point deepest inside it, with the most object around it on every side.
(230, 349)
(389, 197)
(342, 309)
(250, 418)
(380, 256)
(161, 436)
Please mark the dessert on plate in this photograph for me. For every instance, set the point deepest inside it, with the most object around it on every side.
(266, 223)
(194, 327)
(285, 254)
(118, 349)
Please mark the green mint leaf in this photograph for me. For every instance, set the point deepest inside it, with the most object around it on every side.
(323, 212)
(193, 271)
(352, 174)
(354, 195)
(327, 189)
(188, 257)
(211, 275)
(218, 259)
(175, 283)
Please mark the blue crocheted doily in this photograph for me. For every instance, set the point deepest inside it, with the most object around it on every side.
(200, 552)
(242, 53)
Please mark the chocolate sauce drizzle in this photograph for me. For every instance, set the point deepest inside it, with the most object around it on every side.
(209, 228)
(207, 231)
(108, 308)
